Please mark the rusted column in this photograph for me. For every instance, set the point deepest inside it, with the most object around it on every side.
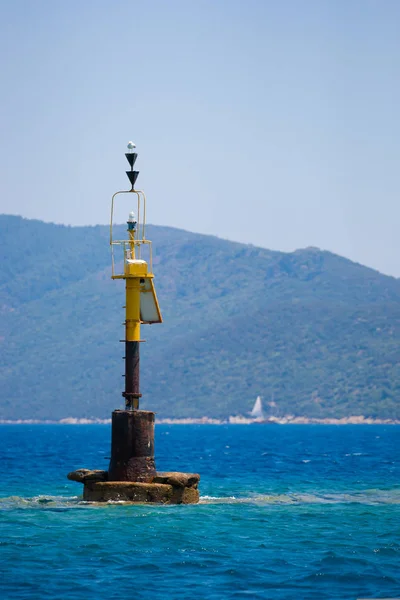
(132, 387)
(132, 446)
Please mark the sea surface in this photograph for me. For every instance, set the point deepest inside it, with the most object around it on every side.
(307, 511)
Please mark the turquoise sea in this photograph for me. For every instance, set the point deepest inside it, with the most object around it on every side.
(286, 512)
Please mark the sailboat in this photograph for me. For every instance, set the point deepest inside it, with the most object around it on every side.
(257, 412)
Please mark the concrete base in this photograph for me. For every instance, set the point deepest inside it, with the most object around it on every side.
(165, 488)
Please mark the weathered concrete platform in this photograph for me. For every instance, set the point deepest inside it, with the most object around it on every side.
(164, 488)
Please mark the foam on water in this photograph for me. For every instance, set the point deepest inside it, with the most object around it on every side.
(367, 497)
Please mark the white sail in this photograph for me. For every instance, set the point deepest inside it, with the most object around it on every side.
(257, 411)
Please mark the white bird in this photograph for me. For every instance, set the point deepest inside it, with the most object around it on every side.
(131, 145)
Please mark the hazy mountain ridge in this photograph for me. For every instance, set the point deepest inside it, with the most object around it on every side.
(315, 331)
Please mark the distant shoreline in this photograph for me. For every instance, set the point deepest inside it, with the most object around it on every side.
(238, 420)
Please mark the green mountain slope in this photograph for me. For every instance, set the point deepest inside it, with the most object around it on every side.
(313, 330)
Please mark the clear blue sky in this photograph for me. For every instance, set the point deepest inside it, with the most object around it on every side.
(269, 122)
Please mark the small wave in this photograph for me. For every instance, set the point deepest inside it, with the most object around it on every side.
(40, 501)
(368, 497)
(258, 499)
(212, 499)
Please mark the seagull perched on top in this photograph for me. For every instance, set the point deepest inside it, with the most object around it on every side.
(131, 145)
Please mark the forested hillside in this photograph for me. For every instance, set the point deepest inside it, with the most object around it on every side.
(314, 331)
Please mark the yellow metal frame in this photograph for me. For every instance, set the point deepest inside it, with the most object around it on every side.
(133, 245)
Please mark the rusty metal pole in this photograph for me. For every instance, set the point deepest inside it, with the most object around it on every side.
(132, 375)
